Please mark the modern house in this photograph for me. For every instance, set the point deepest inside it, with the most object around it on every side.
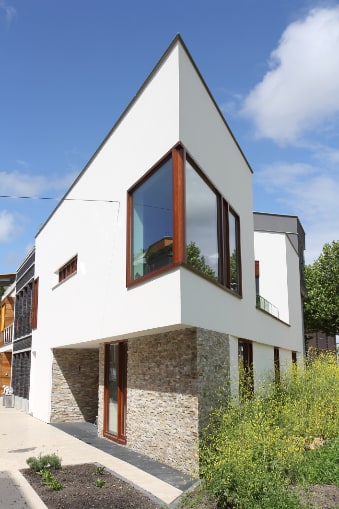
(146, 276)
(7, 282)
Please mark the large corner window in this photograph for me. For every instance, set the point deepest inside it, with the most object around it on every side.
(176, 216)
(152, 222)
(202, 251)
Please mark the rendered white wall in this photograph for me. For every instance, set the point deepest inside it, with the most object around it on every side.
(263, 365)
(210, 143)
(95, 303)
(270, 250)
(294, 297)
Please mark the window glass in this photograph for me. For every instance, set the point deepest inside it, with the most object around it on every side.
(234, 255)
(201, 224)
(152, 216)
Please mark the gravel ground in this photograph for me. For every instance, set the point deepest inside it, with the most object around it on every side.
(80, 492)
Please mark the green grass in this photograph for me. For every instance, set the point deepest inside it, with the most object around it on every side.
(321, 465)
(255, 449)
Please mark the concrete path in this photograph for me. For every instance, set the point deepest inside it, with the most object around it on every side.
(22, 436)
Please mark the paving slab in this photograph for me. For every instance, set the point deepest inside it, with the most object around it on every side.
(22, 435)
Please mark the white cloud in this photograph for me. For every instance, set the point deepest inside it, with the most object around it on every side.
(301, 90)
(10, 12)
(7, 225)
(17, 183)
(310, 194)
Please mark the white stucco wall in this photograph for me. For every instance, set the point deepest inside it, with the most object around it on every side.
(270, 251)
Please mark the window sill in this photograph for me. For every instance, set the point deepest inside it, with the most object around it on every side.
(59, 283)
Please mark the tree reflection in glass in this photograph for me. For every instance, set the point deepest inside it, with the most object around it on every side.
(201, 224)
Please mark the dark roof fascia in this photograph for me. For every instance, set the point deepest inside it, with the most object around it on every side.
(31, 253)
(288, 216)
(176, 39)
(8, 279)
(296, 230)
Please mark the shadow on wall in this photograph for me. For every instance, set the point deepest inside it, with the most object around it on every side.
(75, 378)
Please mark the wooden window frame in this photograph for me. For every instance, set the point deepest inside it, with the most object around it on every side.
(276, 366)
(68, 269)
(176, 154)
(247, 359)
(179, 155)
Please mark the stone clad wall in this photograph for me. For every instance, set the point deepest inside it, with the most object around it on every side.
(213, 366)
(74, 385)
(174, 379)
(162, 403)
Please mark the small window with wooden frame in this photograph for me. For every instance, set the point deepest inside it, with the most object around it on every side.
(276, 366)
(68, 269)
(176, 217)
(246, 375)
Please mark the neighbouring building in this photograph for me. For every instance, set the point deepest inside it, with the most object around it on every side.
(7, 282)
(22, 337)
(320, 341)
(147, 279)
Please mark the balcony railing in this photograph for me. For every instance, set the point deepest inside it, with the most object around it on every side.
(267, 306)
(7, 335)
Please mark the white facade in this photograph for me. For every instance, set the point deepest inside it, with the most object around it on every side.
(94, 306)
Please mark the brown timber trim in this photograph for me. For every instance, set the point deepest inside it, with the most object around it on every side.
(179, 156)
(35, 299)
(179, 250)
(226, 250)
(237, 225)
(129, 234)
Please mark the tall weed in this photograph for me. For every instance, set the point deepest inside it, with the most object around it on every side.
(254, 449)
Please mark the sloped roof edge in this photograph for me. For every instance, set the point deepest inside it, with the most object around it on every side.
(177, 39)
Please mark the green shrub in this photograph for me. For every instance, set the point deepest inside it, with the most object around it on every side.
(254, 449)
(41, 462)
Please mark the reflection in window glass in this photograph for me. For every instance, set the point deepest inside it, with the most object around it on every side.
(201, 224)
(234, 255)
(152, 230)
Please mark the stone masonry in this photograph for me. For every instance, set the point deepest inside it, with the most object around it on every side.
(173, 381)
(74, 385)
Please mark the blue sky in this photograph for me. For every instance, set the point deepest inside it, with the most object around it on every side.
(69, 68)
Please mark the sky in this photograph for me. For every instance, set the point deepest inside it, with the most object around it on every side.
(69, 68)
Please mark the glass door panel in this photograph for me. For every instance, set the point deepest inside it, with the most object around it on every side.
(115, 391)
(113, 374)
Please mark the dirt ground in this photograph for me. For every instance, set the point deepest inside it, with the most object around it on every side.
(80, 492)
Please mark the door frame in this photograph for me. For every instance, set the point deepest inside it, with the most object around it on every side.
(120, 437)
